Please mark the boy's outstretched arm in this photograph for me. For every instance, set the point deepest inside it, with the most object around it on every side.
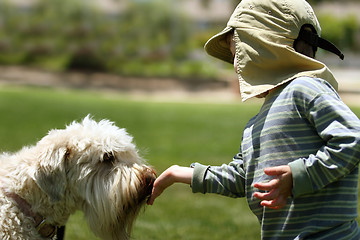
(170, 176)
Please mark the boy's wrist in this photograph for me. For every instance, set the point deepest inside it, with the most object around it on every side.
(301, 179)
(181, 174)
(197, 182)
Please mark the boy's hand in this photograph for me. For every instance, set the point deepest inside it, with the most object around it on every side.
(170, 176)
(278, 189)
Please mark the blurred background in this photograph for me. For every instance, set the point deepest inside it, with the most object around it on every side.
(136, 39)
(141, 64)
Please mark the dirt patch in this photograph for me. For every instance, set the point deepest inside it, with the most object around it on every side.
(161, 89)
(93, 80)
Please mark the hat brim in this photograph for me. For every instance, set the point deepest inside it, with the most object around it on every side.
(217, 46)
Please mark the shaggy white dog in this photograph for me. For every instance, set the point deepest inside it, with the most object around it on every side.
(89, 166)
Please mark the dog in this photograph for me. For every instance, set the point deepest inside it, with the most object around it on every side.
(90, 166)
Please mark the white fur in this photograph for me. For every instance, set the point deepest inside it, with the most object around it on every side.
(66, 171)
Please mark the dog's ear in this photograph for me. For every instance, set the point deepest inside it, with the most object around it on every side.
(50, 174)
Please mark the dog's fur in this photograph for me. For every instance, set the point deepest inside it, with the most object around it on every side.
(89, 166)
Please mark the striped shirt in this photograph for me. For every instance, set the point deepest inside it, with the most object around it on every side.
(305, 125)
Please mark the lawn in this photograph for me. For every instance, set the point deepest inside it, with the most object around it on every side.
(166, 134)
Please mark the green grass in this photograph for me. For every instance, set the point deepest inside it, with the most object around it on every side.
(166, 134)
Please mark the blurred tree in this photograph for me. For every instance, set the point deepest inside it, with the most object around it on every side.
(73, 34)
(205, 3)
(145, 38)
(340, 31)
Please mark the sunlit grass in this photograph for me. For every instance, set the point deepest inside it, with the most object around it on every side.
(166, 134)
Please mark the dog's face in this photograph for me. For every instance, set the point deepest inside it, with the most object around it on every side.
(95, 167)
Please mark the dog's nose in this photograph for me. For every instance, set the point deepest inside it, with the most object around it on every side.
(149, 177)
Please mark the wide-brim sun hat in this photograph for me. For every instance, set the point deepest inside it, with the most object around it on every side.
(218, 46)
(282, 17)
(264, 35)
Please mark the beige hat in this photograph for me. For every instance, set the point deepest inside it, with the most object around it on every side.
(265, 31)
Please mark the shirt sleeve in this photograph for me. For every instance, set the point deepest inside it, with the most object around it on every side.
(227, 180)
(339, 128)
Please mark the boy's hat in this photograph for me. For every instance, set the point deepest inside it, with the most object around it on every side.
(218, 47)
(296, 13)
(264, 35)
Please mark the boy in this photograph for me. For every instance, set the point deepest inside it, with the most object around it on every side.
(298, 160)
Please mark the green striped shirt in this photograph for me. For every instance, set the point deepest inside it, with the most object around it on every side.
(305, 125)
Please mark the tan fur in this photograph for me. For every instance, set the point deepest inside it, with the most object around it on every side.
(73, 169)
